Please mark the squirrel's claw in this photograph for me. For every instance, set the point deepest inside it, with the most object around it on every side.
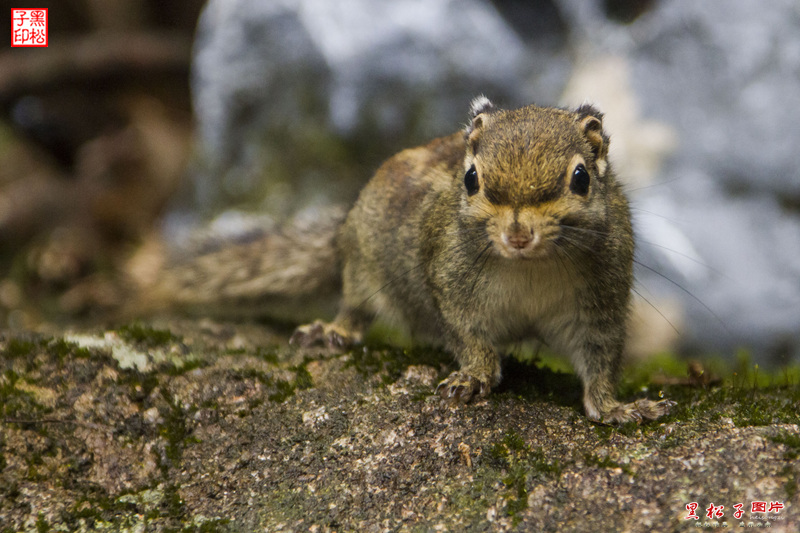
(460, 388)
(321, 333)
(637, 411)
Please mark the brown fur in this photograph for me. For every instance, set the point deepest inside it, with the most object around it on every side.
(282, 274)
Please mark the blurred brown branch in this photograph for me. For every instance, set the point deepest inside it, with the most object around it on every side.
(85, 60)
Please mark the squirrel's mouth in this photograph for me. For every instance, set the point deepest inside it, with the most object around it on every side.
(522, 234)
(522, 245)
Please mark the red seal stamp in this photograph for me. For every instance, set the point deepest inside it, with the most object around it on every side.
(29, 27)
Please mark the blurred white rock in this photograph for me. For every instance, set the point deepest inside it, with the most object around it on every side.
(702, 99)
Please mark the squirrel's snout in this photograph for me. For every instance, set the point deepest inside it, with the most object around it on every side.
(519, 238)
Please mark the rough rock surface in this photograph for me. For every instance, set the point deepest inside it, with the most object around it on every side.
(213, 427)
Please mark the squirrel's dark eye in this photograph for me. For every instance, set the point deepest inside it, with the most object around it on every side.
(580, 181)
(471, 181)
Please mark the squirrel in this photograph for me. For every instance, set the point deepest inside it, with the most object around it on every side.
(512, 229)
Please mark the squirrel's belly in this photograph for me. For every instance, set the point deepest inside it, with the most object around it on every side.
(527, 301)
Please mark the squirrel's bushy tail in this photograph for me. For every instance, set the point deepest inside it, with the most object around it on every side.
(290, 273)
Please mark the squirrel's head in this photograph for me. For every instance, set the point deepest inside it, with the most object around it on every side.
(535, 178)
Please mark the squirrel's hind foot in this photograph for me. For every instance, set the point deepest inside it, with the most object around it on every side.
(318, 333)
(637, 411)
(460, 388)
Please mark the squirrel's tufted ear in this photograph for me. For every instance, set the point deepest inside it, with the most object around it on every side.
(590, 120)
(480, 104)
(479, 109)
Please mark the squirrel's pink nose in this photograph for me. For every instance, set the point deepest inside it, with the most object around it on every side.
(518, 238)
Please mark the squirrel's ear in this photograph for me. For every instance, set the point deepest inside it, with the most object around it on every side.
(480, 105)
(590, 120)
(479, 110)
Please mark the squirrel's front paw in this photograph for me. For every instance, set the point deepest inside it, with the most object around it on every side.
(461, 388)
(637, 411)
(321, 333)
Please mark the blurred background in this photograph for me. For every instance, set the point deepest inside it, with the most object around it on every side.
(144, 120)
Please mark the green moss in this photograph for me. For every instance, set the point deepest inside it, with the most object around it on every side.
(391, 362)
(521, 466)
(172, 503)
(141, 384)
(792, 443)
(603, 432)
(84, 510)
(791, 481)
(747, 394)
(147, 336)
(10, 379)
(16, 404)
(252, 373)
(512, 443)
(744, 393)
(159, 508)
(303, 379)
(516, 483)
(747, 375)
(638, 377)
(18, 348)
(11, 491)
(592, 459)
(513, 451)
(207, 526)
(270, 355)
(174, 431)
(746, 406)
(58, 348)
(62, 350)
(283, 390)
(42, 525)
(422, 395)
(180, 367)
(95, 509)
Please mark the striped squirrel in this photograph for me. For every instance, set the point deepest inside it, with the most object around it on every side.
(513, 229)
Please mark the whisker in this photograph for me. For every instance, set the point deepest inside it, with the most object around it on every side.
(563, 254)
(585, 230)
(659, 215)
(686, 256)
(480, 270)
(577, 243)
(687, 291)
(656, 309)
(582, 246)
(652, 185)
